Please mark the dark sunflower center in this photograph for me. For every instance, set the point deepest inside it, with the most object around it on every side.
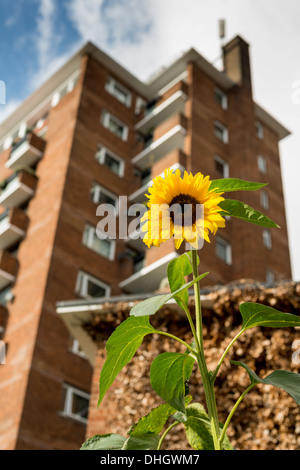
(183, 208)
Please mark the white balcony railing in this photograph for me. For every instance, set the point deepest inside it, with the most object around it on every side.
(15, 193)
(9, 233)
(174, 104)
(27, 152)
(171, 140)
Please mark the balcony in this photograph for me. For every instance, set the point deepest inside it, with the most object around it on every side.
(172, 105)
(148, 279)
(18, 189)
(139, 195)
(8, 269)
(13, 226)
(169, 141)
(27, 152)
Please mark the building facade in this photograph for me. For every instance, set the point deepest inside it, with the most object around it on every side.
(91, 133)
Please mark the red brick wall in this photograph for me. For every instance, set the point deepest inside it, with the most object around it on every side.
(31, 380)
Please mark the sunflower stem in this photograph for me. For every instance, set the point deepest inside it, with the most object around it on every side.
(208, 384)
(165, 433)
(233, 411)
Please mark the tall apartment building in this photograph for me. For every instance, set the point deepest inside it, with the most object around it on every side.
(91, 133)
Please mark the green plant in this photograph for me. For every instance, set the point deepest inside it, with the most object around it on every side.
(170, 372)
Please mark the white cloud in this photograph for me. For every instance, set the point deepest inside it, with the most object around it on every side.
(45, 31)
(86, 16)
(15, 13)
(110, 22)
(47, 40)
(120, 28)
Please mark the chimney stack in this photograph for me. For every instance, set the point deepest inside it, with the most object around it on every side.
(237, 62)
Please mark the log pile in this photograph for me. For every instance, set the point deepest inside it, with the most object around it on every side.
(268, 418)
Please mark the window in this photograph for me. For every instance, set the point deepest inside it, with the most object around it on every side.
(104, 247)
(221, 98)
(114, 125)
(221, 132)
(63, 92)
(221, 167)
(140, 103)
(59, 95)
(264, 200)
(262, 164)
(259, 130)
(267, 239)
(43, 132)
(113, 162)
(89, 287)
(76, 403)
(74, 82)
(100, 195)
(76, 349)
(223, 250)
(270, 277)
(65, 88)
(118, 91)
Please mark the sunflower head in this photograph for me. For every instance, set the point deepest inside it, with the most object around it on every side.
(183, 208)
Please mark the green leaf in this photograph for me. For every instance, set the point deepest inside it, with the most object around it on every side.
(193, 345)
(104, 442)
(142, 442)
(286, 380)
(261, 315)
(198, 429)
(242, 211)
(178, 415)
(234, 184)
(152, 305)
(121, 347)
(153, 422)
(168, 374)
(178, 269)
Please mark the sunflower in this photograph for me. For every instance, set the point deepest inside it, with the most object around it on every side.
(183, 208)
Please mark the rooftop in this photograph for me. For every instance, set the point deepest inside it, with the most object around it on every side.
(41, 98)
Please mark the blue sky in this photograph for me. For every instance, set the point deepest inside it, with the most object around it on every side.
(38, 36)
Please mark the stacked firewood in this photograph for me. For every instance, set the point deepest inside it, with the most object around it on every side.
(268, 418)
